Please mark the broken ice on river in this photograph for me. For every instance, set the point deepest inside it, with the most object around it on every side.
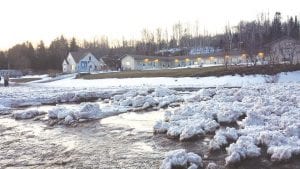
(241, 120)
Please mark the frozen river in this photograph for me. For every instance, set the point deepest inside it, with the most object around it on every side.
(122, 141)
(121, 134)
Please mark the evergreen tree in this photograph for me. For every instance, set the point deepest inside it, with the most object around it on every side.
(58, 51)
(276, 28)
(295, 29)
(3, 60)
(41, 57)
(73, 45)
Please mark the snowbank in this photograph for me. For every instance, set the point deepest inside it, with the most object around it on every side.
(173, 82)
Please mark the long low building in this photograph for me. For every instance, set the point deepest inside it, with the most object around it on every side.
(142, 62)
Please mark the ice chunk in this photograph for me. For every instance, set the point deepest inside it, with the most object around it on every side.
(162, 92)
(228, 116)
(233, 158)
(27, 114)
(222, 137)
(139, 101)
(212, 166)
(244, 148)
(175, 158)
(191, 131)
(127, 102)
(201, 95)
(293, 130)
(69, 119)
(174, 131)
(59, 112)
(89, 111)
(161, 127)
(181, 159)
(280, 153)
(194, 159)
(166, 100)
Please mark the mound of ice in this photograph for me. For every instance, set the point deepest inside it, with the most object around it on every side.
(60, 112)
(187, 123)
(167, 100)
(181, 159)
(27, 114)
(140, 101)
(190, 132)
(162, 92)
(161, 127)
(89, 111)
(244, 148)
(201, 95)
(223, 137)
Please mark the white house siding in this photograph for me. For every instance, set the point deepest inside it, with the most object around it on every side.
(65, 67)
(89, 64)
(128, 63)
(72, 64)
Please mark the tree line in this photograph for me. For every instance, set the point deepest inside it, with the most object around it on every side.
(247, 36)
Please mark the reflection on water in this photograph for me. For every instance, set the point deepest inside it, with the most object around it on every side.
(142, 147)
(140, 121)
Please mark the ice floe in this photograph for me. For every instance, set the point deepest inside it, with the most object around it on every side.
(181, 159)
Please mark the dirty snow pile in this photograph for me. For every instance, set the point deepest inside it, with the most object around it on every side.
(181, 159)
(265, 115)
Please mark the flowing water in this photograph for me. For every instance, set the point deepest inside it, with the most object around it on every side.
(123, 141)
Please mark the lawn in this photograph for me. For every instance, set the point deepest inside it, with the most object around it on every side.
(196, 72)
(24, 80)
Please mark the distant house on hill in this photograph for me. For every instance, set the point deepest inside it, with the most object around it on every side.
(285, 49)
(82, 62)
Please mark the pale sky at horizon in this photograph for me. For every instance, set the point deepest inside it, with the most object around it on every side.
(36, 20)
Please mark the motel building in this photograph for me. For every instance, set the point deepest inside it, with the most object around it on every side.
(142, 62)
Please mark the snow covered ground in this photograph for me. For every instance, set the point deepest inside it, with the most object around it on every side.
(69, 81)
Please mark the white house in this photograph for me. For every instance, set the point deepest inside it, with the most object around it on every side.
(141, 62)
(82, 62)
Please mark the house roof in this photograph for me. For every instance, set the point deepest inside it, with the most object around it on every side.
(65, 60)
(79, 55)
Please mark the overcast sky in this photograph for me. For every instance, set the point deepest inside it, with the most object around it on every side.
(35, 20)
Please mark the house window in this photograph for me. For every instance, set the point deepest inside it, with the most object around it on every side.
(83, 64)
(90, 58)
